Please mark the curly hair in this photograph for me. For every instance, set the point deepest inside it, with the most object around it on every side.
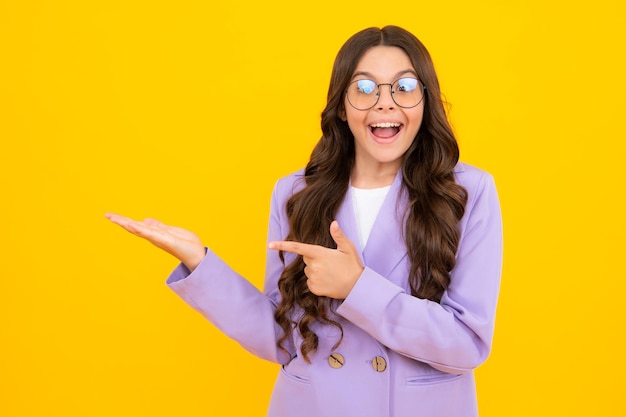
(436, 201)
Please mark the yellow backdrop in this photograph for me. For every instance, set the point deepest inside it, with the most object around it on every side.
(135, 107)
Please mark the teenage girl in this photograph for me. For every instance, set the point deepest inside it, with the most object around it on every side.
(384, 253)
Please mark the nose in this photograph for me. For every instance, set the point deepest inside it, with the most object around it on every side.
(385, 97)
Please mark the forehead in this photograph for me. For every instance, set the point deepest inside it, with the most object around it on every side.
(382, 62)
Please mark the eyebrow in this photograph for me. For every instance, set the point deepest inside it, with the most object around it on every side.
(370, 75)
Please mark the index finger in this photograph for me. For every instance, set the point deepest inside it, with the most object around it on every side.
(120, 220)
(135, 227)
(299, 248)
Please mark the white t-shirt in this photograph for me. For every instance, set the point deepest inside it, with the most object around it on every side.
(367, 203)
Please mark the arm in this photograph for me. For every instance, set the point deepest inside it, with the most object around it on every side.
(455, 335)
(213, 289)
(232, 303)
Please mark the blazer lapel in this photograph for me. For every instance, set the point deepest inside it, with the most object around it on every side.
(386, 247)
(347, 221)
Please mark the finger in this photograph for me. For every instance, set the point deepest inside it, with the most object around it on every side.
(135, 227)
(155, 223)
(163, 228)
(298, 248)
(142, 230)
(123, 221)
(312, 287)
(343, 243)
(115, 218)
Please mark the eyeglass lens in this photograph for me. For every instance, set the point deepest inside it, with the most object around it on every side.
(364, 94)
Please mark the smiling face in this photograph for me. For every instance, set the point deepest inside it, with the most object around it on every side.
(383, 133)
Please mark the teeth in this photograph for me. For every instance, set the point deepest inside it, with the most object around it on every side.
(387, 124)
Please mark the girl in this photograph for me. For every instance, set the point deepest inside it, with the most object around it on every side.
(384, 254)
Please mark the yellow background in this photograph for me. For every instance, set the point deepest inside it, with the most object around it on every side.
(136, 107)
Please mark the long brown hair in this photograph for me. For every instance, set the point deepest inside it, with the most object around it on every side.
(436, 202)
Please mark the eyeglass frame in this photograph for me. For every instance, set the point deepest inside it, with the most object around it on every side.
(390, 91)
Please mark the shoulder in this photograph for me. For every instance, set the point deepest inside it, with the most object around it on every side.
(288, 185)
(471, 177)
(475, 181)
(482, 195)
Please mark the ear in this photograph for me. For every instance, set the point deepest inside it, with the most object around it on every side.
(342, 114)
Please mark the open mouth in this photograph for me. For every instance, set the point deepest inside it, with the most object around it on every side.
(385, 130)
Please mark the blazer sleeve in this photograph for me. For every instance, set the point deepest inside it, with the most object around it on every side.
(232, 303)
(454, 335)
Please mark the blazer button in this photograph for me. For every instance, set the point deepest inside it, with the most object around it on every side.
(379, 364)
(336, 360)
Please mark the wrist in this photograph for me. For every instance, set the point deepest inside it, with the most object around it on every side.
(195, 259)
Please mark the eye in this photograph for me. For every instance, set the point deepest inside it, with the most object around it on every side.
(365, 86)
(406, 85)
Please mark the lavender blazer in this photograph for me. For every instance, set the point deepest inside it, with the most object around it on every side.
(400, 356)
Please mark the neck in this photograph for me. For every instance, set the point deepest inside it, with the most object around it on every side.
(373, 178)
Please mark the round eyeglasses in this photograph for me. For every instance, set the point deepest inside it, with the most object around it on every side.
(405, 92)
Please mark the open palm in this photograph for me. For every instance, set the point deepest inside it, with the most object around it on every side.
(179, 242)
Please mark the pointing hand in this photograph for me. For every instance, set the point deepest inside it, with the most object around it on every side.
(330, 272)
